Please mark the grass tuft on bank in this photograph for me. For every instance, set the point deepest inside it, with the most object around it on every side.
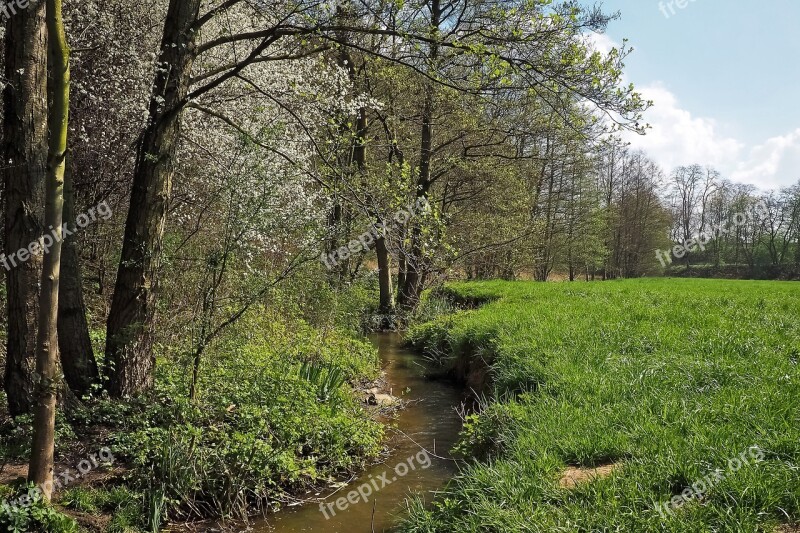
(659, 382)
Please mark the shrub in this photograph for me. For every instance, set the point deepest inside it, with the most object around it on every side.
(25, 511)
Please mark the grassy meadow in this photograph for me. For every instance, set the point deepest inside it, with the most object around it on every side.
(660, 383)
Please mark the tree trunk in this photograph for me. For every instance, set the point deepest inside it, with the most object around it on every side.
(414, 275)
(571, 265)
(129, 338)
(412, 286)
(386, 299)
(74, 342)
(25, 161)
(40, 472)
(384, 277)
(402, 269)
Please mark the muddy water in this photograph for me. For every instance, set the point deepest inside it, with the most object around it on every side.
(430, 421)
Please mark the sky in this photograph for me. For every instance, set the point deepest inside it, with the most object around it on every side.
(724, 77)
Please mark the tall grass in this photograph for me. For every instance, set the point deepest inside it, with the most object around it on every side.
(668, 379)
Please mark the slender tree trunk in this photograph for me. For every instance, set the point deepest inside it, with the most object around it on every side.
(414, 277)
(74, 342)
(412, 286)
(384, 276)
(360, 146)
(339, 216)
(129, 338)
(386, 298)
(47, 368)
(336, 222)
(402, 269)
(359, 157)
(24, 169)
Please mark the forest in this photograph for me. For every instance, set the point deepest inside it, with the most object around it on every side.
(209, 204)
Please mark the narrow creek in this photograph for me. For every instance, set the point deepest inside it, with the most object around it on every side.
(430, 421)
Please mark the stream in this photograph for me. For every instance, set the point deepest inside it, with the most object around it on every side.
(429, 420)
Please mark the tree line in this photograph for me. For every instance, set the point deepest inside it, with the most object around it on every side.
(761, 228)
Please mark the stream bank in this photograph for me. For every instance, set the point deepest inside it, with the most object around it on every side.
(423, 434)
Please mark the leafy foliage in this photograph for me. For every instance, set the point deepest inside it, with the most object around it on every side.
(25, 511)
(274, 414)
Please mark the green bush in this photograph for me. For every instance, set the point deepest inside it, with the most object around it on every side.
(16, 436)
(25, 511)
(274, 413)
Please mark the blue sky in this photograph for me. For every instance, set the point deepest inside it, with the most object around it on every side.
(724, 76)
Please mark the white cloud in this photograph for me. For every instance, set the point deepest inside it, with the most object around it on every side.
(602, 42)
(776, 163)
(678, 138)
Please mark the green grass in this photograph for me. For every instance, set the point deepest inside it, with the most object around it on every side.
(123, 506)
(667, 378)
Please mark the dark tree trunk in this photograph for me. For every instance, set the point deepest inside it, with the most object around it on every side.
(571, 265)
(412, 286)
(74, 342)
(129, 336)
(414, 274)
(24, 164)
(415, 268)
(386, 299)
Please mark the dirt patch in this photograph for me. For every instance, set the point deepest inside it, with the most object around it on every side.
(787, 529)
(9, 473)
(90, 522)
(577, 475)
(98, 476)
(473, 370)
